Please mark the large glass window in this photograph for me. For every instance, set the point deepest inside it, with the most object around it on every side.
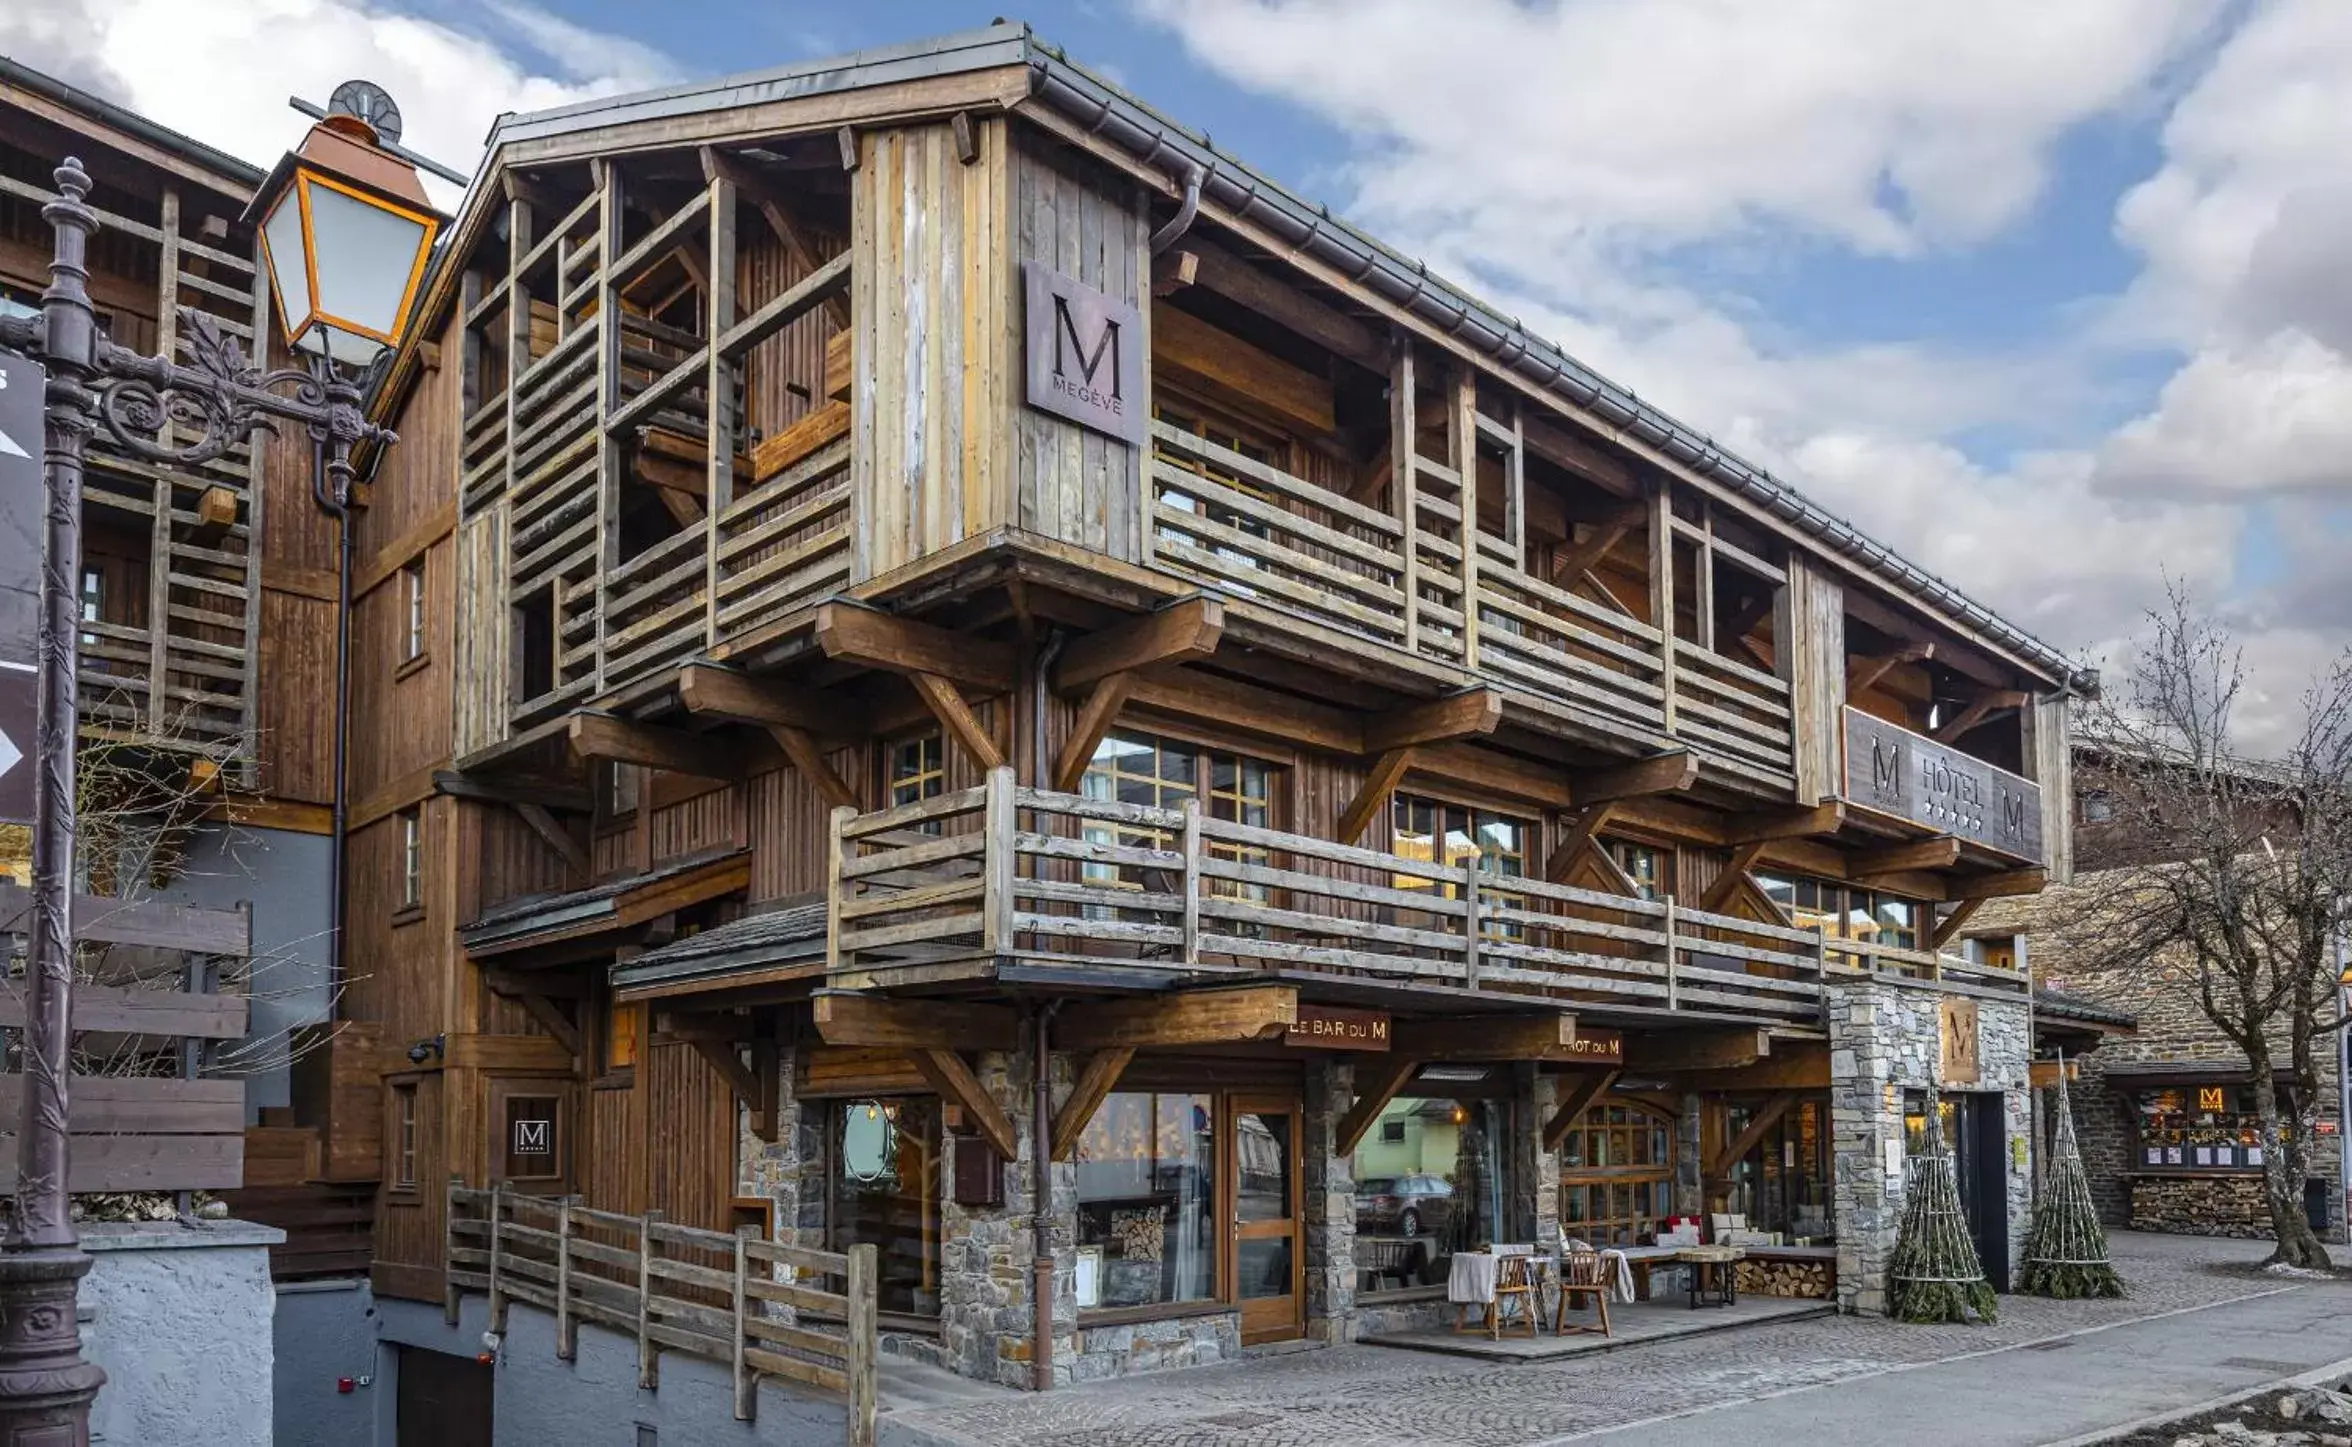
(1617, 1174)
(1783, 1183)
(1147, 1217)
(1650, 868)
(1429, 1182)
(883, 1189)
(1458, 835)
(1845, 912)
(2199, 1127)
(1133, 768)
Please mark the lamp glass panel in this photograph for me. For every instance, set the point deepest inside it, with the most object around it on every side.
(365, 257)
(289, 263)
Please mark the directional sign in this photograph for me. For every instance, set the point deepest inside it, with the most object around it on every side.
(19, 717)
(21, 381)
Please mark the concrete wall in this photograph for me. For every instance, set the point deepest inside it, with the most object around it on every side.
(594, 1400)
(326, 1330)
(180, 1319)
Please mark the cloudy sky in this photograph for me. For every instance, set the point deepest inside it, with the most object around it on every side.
(2047, 296)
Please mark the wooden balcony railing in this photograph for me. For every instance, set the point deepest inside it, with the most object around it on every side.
(1004, 871)
(753, 1305)
(1255, 532)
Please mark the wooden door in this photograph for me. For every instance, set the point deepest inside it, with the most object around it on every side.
(443, 1400)
(1262, 1203)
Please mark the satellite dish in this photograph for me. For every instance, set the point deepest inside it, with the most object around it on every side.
(369, 102)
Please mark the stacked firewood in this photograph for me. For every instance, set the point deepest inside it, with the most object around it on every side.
(1767, 1277)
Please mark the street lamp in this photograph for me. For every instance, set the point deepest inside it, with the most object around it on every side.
(177, 415)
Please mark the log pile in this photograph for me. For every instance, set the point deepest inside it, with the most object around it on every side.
(1767, 1276)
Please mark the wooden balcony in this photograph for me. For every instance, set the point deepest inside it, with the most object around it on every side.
(1002, 873)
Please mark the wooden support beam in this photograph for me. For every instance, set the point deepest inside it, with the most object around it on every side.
(720, 1052)
(1095, 1081)
(1580, 833)
(957, 1085)
(1469, 714)
(1771, 824)
(1743, 859)
(1668, 1050)
(1173, 271)
(801, 747)
(1948, 928)
(1863, 670)
(1186, 1017)
(1571, 561)
(724, 693)
(1940, 852)
(551, 1017)
(1981, 710)
(559, 839)
(1802, 1066)
(216, 513)
(1265, 294)
(1548, 1035)
(846, 139)
(565, 798)
(1666, 773)
(956, 716)
(1185, 630)
(1376, 1085)
(605, 736)
(555, 984)
(1998, 886)
(1766, 1117)
(967, 137)
(1086, 732)
(1588, 1086)
(799, 245)
(879, 1022)
(905, 645)
(1386, 773)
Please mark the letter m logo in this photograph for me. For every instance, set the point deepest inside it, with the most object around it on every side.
(1886, 768)
(1067, 339)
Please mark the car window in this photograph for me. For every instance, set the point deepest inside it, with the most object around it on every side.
(1377, 1185)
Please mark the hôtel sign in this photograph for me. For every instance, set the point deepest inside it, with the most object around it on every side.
(1895, 771)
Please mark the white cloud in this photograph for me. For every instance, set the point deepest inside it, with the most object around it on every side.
(221, 70)
(2274, 417)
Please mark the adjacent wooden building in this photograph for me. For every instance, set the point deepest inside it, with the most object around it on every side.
(900, 566)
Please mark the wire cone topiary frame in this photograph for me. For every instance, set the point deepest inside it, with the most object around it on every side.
(2066, 1252)
(1934, 1274)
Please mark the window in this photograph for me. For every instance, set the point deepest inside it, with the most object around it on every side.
(1392, 1132)
(1457, 835)
(1147, 1187)
(404, 1138)
(412, 601)
(1649, 867)
(2208, 1126)
(618, 785)
(1135, 768)
(1429, 1182)
(2098, 807)
(1617, 1174)
(93, 601)
(882, 1187)
(412, 859)
(1783, 1182)
(624, 1035)
(1843, 912)
(917, 770)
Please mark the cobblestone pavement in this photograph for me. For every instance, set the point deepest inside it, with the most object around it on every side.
(1370, 1396)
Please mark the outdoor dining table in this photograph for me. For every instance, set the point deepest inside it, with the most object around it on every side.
(1471, 1277)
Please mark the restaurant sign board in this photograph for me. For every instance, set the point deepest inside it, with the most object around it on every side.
(1084, 354)
(1325, 1027)
(1593, 1047)
(1958, 1025)
(1898, 772)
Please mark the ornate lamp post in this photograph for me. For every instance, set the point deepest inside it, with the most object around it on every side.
(334, 309)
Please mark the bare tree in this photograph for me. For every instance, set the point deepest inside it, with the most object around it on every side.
(2237, 876)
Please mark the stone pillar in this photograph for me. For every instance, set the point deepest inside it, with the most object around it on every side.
(1328, 1198)
(1535, 1208)
(986, 1320)
(1690, 1192)
(790, 1171)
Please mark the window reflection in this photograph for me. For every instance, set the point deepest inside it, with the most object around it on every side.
(1147, 1173)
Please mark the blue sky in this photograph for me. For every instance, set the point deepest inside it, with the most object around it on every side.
(2045, 296)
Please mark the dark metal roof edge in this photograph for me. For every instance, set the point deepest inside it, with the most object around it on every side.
(130, 122)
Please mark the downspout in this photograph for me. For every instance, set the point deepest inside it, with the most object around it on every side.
(1181, 222)
(330, 499)
(1041, 1269)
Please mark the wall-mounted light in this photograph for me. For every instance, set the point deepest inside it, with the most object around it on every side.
(434, 1049)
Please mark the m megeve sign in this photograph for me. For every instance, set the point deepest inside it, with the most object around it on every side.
(1895, 771)
(1084, 354)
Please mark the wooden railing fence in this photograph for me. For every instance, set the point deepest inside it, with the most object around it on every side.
(738, 1300)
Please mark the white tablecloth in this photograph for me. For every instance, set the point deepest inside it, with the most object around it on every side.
(1471, 1281)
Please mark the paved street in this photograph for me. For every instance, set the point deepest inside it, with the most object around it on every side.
(2046, 1372)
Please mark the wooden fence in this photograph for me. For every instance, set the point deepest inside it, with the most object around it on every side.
(152, 1125)
(734, 1299)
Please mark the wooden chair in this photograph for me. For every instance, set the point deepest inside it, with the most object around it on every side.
(1514, 1281)
(1582, 1273)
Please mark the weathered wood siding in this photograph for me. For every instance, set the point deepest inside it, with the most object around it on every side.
(1086, 222)
(2049, 761)
(481, 640)
(1809, 636)
(935, 349)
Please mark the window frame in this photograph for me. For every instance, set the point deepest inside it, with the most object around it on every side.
(401, 1174)
(412, 611)
(412, 865)
(1608, 1179)
(1839, 903)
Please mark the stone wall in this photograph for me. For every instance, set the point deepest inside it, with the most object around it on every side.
(2172, 1028)
(1886, 1038)
(180, 1319)
(325, 1331)
(1330, 1203)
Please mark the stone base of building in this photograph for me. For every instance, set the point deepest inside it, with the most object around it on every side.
(179, 1317)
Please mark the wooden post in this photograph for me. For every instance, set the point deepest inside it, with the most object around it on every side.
(1470, 925)
(1464, 431)
(611, 242)
(746, 1380)
(1673, 969)
(567, 1342)
(1406, 485)
(1821, 969)
(159, 548)
(1000, 905)
(1662, 591)
(718, 395)
(497, 1287)
(448, 1245)
(834, 890)
(863, 1349)
(648, 1354)
(1192, 850)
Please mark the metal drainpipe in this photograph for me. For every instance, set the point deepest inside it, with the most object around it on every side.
(1041, 1269)
(1181, 222)
(324, 491)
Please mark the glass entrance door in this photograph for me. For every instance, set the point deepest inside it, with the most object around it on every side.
(1267, 1253)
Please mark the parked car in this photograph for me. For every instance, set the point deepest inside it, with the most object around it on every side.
(1405, 1205)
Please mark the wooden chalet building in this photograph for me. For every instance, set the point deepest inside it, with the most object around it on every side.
(961, 648)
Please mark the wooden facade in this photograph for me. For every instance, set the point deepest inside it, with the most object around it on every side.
(756, 582)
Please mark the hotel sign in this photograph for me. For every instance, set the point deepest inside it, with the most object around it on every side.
(1896, 771)
(1084, 354)
(1322, 1027)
